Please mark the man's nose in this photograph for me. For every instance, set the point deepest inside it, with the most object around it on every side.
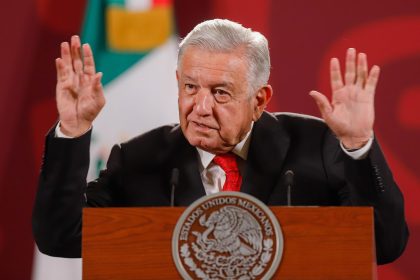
(204, 102)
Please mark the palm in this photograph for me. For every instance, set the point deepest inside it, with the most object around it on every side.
(79, 92)
(353, 111)
(350, 115)
(77, 98)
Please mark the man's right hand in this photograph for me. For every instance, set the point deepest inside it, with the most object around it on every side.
(79, 90)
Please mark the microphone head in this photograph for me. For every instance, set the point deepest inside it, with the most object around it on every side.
(288, 177)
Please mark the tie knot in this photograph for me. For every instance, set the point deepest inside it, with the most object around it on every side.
(227, 162)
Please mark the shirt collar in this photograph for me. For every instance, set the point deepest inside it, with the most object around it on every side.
(241, 150)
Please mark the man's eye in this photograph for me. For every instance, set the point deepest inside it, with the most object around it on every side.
(221, 96)
(220, 92)
(190, 88)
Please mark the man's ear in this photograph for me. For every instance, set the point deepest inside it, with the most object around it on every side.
(261, 99)
(177, 75)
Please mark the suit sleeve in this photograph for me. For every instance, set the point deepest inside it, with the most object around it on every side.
(63, 192)
(369, 182)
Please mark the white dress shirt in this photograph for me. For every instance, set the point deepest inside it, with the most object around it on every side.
(212, 175)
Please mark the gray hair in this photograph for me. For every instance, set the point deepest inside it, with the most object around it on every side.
(222, 35)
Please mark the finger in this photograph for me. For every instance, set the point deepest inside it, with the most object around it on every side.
(350, 66)
(76, 54)
(322, 102)
(65, 54)
(88, 61)
(99, 93)
(362, 69)
(97, 82)
(61, 69)
(372, 79)
(335, 74)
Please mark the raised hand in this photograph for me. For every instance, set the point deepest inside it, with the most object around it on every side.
(79, 90)
(351, 114)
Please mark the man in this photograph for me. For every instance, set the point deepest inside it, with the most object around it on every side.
(223, 70)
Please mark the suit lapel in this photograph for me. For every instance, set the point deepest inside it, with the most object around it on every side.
(266, 155)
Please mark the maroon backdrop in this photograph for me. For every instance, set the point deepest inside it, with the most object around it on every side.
(303, 36)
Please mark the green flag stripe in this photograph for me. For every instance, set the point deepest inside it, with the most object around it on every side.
(120, 3)
(111, 63)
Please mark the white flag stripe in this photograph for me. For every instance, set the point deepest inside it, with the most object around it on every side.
(51, 268)
(138, 5)
(142, 98)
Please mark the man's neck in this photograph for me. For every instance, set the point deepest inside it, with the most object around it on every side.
(240, 149)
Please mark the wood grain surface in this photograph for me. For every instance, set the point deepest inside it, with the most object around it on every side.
(319, 243)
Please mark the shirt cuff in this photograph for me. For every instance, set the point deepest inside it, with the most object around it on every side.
(60, 134)
(359, 153)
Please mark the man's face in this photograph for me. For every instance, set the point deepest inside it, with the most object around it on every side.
(216, 107)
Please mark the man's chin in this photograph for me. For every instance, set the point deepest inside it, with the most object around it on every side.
(208, 145)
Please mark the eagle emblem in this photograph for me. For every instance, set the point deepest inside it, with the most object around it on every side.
(228, 236)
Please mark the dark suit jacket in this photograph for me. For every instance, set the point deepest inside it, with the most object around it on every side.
(138, 174)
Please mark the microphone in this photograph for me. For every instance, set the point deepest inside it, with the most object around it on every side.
(174, 183)
(288, 178)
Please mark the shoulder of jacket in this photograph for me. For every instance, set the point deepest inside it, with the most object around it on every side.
(160, 136)
(298, 117)
(300, 122)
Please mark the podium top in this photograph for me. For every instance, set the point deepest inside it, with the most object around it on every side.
(319, 243)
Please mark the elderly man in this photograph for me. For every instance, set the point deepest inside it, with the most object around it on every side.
(225, 141)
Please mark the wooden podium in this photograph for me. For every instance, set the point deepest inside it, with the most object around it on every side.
(319, 243)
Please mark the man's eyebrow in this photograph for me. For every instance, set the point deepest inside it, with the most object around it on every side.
(224, 84)
(186, 77)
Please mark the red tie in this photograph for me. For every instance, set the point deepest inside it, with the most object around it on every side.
(228, 163)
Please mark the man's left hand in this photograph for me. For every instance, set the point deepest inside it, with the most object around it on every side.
(350, 114)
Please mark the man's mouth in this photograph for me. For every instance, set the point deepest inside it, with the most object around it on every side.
(201, 126)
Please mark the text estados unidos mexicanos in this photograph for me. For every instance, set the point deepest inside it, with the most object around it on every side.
(189, 221)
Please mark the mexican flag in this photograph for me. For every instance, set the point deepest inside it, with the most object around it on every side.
(135, 47)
